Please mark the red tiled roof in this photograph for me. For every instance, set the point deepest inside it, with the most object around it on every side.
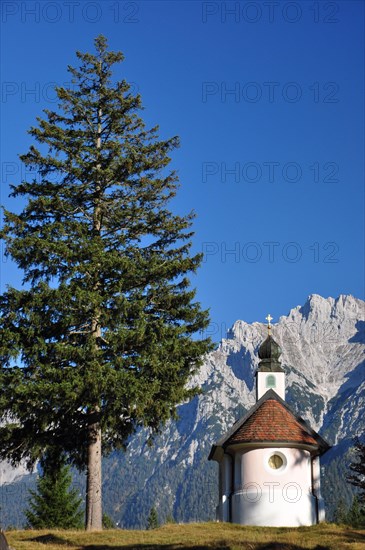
(271, 422)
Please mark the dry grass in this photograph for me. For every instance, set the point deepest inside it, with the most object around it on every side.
(199, 536)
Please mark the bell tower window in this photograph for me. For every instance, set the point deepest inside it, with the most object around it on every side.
(270, 381)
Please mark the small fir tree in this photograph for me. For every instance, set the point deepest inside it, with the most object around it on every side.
(55, 504)
(356, 514)
(170, 519)
(341, 511)
(357, 475)
(152, 520)
(108, 523)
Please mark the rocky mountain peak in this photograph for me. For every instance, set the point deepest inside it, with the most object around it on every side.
(323, 349)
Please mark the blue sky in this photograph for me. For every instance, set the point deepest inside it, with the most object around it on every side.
(267, 98)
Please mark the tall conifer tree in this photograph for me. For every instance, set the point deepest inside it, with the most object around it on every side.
(101, 338)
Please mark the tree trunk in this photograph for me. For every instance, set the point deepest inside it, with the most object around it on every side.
(93, 482)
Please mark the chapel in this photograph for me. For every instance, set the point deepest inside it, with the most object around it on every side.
(269, 469)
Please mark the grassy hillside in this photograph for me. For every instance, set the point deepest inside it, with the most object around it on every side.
(199, 536)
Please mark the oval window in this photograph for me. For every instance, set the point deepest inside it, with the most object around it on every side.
(276, 462)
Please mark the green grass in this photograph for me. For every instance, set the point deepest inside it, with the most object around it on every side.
(199, 536)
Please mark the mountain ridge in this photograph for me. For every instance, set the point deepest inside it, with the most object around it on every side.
(323, 356)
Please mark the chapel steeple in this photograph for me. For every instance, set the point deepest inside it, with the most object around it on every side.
(270, 374)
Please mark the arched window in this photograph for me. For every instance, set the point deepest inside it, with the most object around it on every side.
(270, 381)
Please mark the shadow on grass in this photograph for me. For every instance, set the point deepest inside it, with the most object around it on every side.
(351, 538)
(49, 539)
(159, 547)
(214, 546)
(285, 546)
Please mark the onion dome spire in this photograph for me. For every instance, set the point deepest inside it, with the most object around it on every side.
(269, 352)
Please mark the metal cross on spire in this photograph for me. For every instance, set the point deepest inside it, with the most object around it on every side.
(269, 319)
